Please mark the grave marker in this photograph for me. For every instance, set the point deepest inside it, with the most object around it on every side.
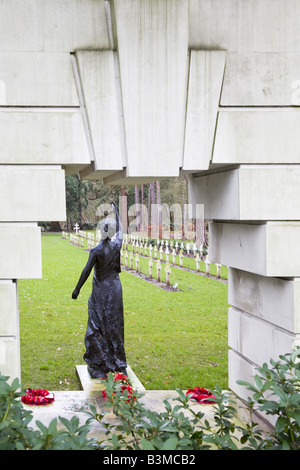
(158, 267)
(150, 267)
(168, 272)
(137, 263)
(197, 262)
(207, 263)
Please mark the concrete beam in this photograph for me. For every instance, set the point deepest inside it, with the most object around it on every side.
(274, 300)
(257, 136)
(32, 193)
(257, 248)
(56, 26)
(152, 44)
(35, 136)
(96, 71)
(20, 251)
(204, 90)
(262, 192)
(261, 79)
(37, 79)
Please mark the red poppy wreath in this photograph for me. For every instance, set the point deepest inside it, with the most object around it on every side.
(201, 395)
(37, 397)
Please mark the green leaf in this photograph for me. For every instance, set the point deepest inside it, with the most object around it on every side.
(146, 445)
(296, 416)
(285, 446)
(52, 428)
(269, 405)
(170, 444)
(281, 423)
(42, 427)
(258, 382)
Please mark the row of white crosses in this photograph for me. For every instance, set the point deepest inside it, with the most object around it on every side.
(130, 257)
(139, 245)
(161, 249)
(162, 245)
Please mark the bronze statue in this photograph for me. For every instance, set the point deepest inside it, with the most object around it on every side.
(104, 338)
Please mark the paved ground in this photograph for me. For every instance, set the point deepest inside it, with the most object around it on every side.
(74, 403)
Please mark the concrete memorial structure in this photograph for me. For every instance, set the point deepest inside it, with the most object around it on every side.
(130, 91)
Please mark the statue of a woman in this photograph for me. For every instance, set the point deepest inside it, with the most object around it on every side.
(104, 339)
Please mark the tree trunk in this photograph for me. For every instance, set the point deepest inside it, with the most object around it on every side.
(137, 207)
(159, 215)
(124, 210)
(151, 212)
(55, 227)
(142, 210)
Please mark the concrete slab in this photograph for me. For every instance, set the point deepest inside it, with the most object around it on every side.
(205, 83)
(57, 26)
(251, 192)
(20, 251)
(75, 403)
(32, 193)
(97, 76)
(257, 135)
(91, 385)
(37, 79)
(153, 73)
(43, 136)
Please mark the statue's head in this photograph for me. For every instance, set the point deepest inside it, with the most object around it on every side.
(107, 228)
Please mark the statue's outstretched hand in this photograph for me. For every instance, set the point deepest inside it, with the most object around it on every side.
(75, 294)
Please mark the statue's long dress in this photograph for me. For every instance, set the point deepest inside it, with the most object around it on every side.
(104, 339)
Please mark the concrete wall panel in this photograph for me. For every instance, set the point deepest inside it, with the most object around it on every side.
(8, 309)
(238, 25)
(205, 82)
(37, 79)
(218, 192)
(274, 300)
(98, 80)
(20, 251)
(276, 26)
(219, 24)
(256, 248)
(257, 136)
(32, 193)
(261, 79)
(56, 26)
(42, 137)
(249, 193)
(239, 368)
(153, 52)
(10, 357)
(256, 339)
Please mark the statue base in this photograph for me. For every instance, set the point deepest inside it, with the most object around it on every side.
(89, 384)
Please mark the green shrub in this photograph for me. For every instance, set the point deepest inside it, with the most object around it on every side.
(275, 392)
(16, 434)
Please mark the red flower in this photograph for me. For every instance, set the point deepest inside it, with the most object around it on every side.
(120, 376)
(201, 395)
(125, 386)
(37, 397)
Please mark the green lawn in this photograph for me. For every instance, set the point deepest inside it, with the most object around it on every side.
(172, 339)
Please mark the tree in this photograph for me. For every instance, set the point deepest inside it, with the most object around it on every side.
(76, 199)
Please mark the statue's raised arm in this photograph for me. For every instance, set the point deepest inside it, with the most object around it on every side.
(119, 228)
